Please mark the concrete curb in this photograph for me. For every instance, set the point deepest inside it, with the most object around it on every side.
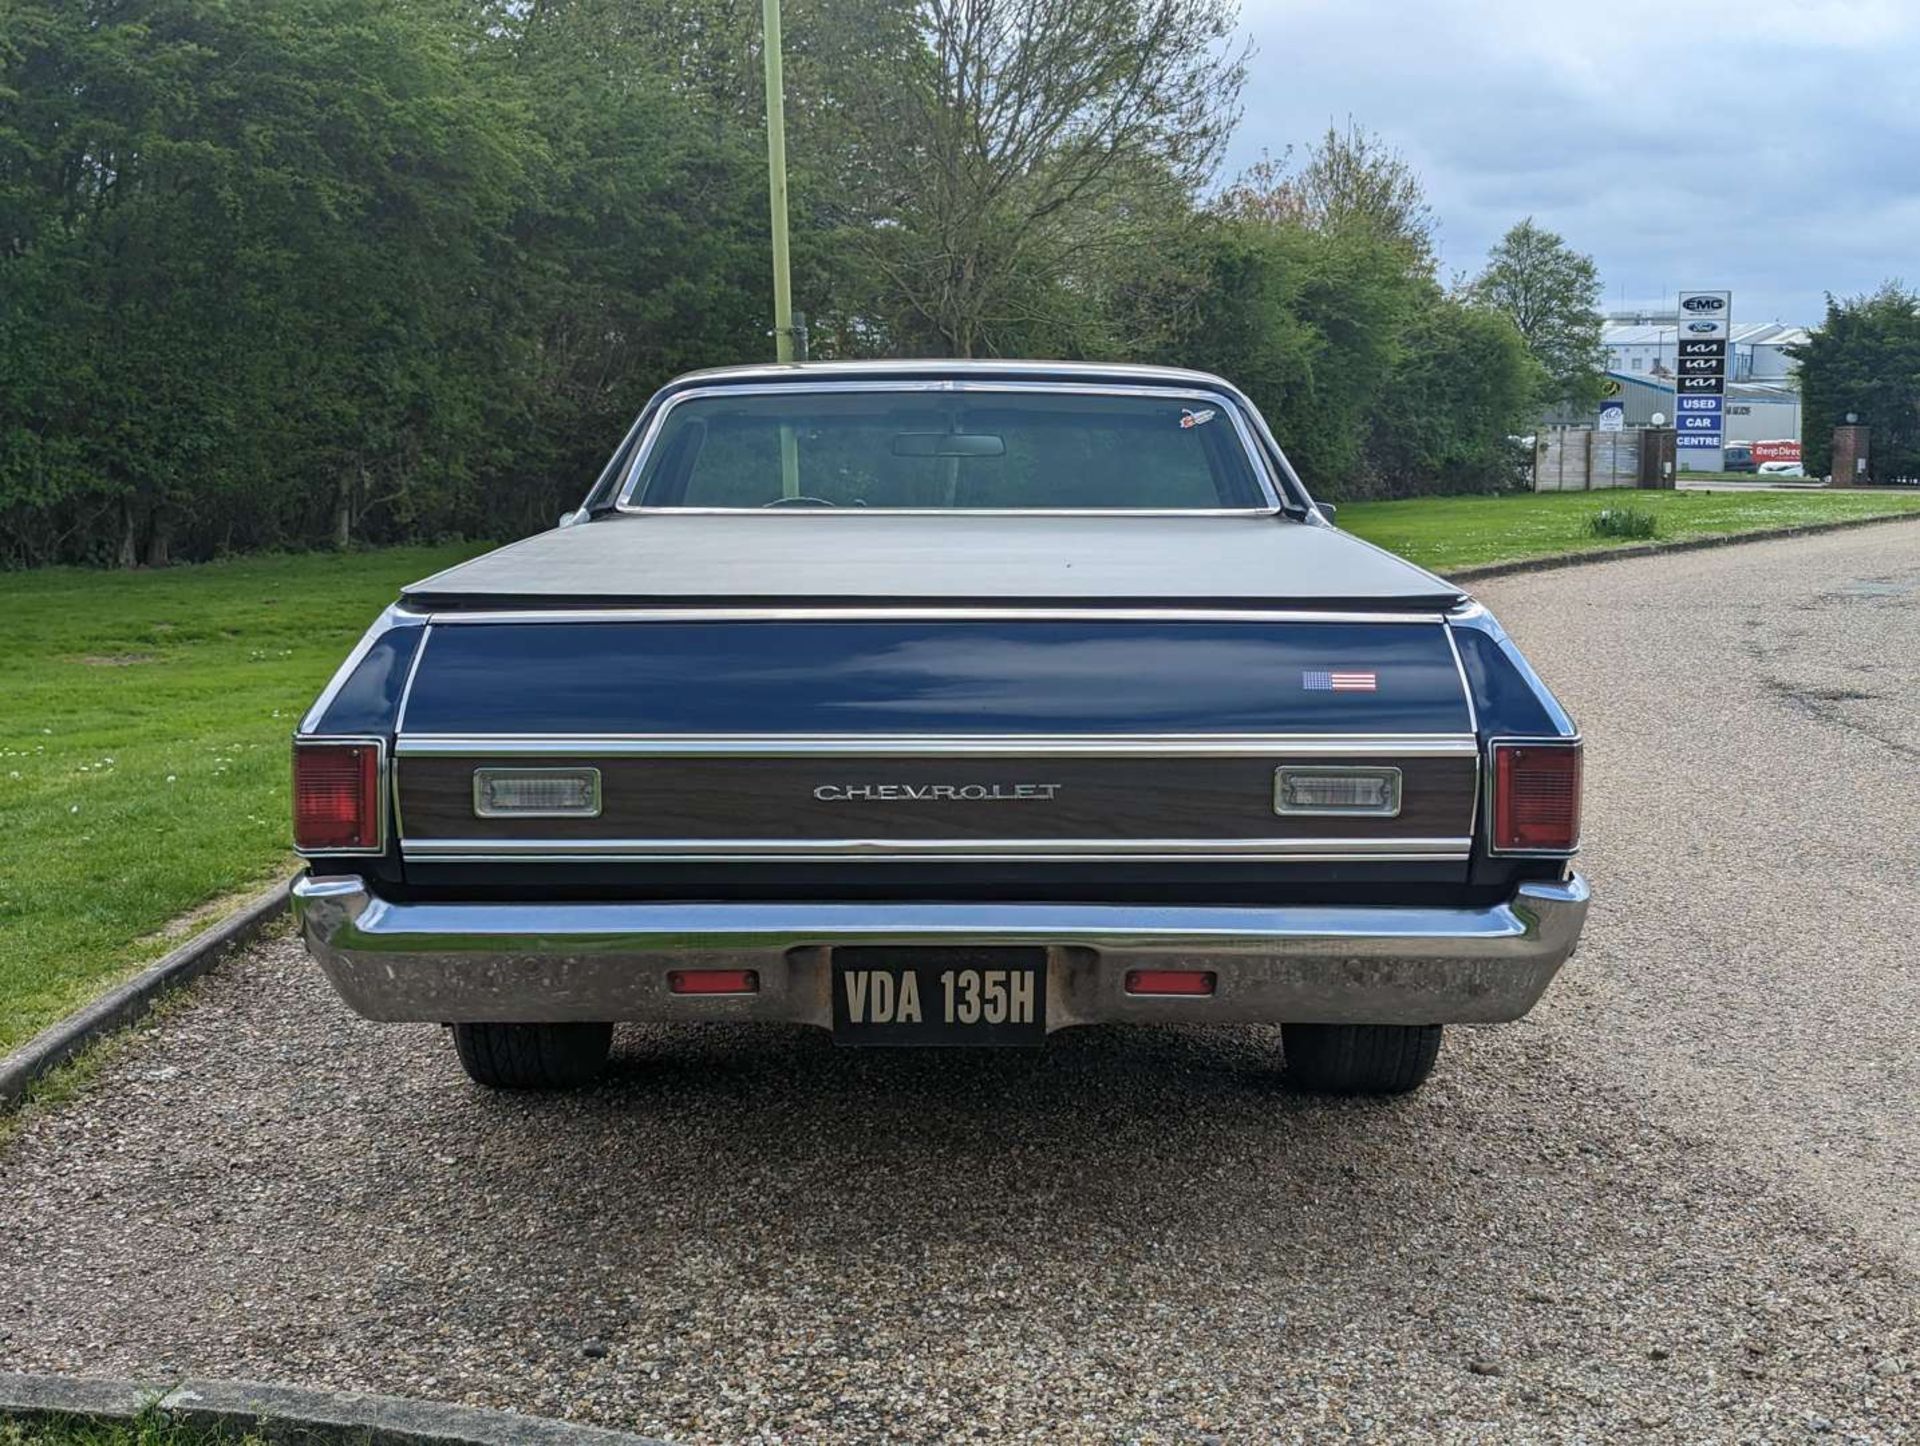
(1654, 549)
(293, 1414)
(58, 1043)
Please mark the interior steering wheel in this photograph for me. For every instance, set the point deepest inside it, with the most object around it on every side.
(800, 499)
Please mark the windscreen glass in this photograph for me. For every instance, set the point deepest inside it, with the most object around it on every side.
(962, 450)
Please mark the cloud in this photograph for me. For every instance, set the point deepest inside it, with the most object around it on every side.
(1772, 146)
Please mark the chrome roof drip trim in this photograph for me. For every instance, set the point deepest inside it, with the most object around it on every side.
(1229, 404)
(1261, 745)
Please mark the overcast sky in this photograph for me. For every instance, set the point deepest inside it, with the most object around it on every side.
(1769, 146)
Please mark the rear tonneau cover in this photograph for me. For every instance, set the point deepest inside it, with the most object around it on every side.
(849, 558)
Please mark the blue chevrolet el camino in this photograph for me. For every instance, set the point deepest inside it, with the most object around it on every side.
(940, 703)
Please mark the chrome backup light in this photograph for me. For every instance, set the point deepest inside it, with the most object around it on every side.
(1360, 792)
(536, 792)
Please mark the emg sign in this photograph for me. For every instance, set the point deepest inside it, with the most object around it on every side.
(1703, 314)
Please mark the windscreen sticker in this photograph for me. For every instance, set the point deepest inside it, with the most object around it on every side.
(1191, 419)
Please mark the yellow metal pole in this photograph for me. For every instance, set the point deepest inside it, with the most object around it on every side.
(777, 184)
(777, 206)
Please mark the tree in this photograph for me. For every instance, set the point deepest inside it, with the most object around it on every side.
(1351, 180)
(1865, 359)
(1021, 146)
(1462, 387)
(1307, 323)
(1551, 293)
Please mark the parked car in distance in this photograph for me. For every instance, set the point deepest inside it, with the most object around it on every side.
(1781, 469)
(948, 703)
(1737, 457)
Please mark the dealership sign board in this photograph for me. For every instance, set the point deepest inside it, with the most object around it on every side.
(1700, 372)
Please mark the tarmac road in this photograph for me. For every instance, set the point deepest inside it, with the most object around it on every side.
(1679, 1203)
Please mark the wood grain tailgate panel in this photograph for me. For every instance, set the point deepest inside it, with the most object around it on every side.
(1107, 797)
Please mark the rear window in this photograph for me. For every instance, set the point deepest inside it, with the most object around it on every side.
(973, 450)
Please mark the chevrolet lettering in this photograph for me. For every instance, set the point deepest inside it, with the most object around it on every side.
(948, 792)
(951, 703)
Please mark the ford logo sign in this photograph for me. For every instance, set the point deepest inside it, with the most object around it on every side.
(1701, 327)
(1704, 303)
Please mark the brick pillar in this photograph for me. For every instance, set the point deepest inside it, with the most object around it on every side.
(1656, 457)
(1850, 465)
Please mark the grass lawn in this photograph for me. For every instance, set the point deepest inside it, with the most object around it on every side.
(144, 716)
(144, 720)
(147, 1430)
(1448, 532)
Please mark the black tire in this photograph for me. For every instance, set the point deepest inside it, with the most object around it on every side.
(532, 1056)
(1360, 1059)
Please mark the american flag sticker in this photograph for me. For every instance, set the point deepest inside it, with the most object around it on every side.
(1334, 682)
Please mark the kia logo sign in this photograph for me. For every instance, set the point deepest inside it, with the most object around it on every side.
(1701, 328)
(1702, 304)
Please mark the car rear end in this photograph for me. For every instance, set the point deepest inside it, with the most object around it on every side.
(920, 775)
(938, 828)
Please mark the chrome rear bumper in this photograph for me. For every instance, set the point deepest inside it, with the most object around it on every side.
(528, 962)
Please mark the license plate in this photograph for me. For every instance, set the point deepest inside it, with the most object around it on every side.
(939, 996)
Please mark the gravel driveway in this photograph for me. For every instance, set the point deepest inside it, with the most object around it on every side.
(1678, 1204)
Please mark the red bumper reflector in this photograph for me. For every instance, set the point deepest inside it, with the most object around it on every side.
(713, 981)
(1170, 981)
(336, 796)
(1536, 796)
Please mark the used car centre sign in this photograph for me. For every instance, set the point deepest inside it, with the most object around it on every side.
(1700, 375)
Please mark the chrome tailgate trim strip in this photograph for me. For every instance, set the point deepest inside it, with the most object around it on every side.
(1290, 745)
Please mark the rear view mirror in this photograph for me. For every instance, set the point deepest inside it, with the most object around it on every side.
(1327, 510)
(948, 444)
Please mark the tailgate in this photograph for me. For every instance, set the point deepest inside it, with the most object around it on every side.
(1057, 737)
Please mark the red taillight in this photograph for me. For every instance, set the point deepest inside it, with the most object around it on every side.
(713, 981)
(336, 796)
(1536, 796)
(1170, 981)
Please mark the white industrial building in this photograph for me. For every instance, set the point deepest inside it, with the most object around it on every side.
(1753, 411)
(1763, 383)
(1640, 343)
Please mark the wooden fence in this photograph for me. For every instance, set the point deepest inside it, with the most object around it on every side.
(1579, 459)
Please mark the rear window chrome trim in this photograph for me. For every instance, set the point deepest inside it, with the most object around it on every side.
(1257, 459)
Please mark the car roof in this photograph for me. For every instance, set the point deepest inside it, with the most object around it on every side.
(955, 369)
